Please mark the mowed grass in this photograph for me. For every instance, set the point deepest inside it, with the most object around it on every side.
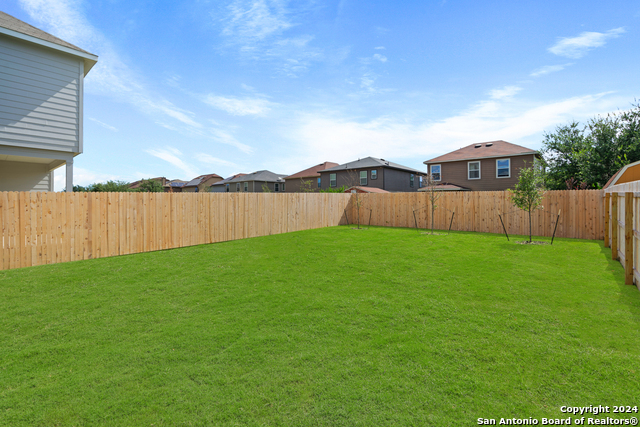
(329, 327)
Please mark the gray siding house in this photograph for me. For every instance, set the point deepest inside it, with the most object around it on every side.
(41, 91)
(372, 172)
(257, 182)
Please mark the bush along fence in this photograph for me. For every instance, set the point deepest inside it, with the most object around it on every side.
(581, 212)
(47, 228)
(622, 228)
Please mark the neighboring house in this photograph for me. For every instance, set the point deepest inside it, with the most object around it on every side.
(372, 172)
(307, 180)
(258, 182)
(201, 183)
(41, 115)
(174, 186)
(224, 186)
(487, 166)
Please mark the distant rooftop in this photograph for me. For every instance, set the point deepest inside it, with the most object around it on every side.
(371, 162)
(483, 150)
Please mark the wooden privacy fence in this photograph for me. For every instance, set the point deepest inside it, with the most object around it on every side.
(622, 227)
(47, 228)
(581, 216)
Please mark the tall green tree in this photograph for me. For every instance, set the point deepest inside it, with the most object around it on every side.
(150, 186)
(587, 156)
(109, 186)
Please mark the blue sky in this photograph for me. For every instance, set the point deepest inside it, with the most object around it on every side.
(184, 88)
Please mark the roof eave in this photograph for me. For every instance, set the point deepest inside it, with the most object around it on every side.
(89, 59)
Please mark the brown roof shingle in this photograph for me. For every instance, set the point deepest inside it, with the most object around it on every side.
(483, 150)
(312, 171)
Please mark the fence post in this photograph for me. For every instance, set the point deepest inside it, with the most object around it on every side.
(607, 220)
(614, 226)
(628, 238)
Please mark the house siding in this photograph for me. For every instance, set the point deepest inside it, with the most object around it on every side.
(388, 179)
(397, 180)
(22, 176)
(294, 185)
(256, 186)
(456, 173)
(40, 97)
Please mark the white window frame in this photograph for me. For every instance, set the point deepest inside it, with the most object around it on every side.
(363, 177)
(374, 173)
(246, 187)
(333, 180)
(439, 172)
(479, 169)
(509, 167)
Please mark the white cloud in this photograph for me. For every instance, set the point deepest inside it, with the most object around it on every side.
(258, 28)
(239, 106)
(210, 160)
(505, 92)
(224, 137)
(379, 48)
(548, 69)
(104, 125)
(380, 58)
(255, 20)
(577, 47)
(394, 137)
(171, 155)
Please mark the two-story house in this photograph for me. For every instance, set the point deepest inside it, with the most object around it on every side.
(486, 166)
(372, 172)
(257, 182)
(41, 92)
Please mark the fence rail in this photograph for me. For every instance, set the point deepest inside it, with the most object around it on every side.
(47, 228)
(581, 212)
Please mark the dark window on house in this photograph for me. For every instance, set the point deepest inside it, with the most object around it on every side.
(246, 186)
(332, 180)
(237, 187)
(283, 185)
(227, 188)
(503, 168)
(276, 187)
(363, 177)
(473, 170)
(319, 182)
(374, 174)
(435, 172)
(411, 179)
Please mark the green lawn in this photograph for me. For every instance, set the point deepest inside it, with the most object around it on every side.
(378, 327)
